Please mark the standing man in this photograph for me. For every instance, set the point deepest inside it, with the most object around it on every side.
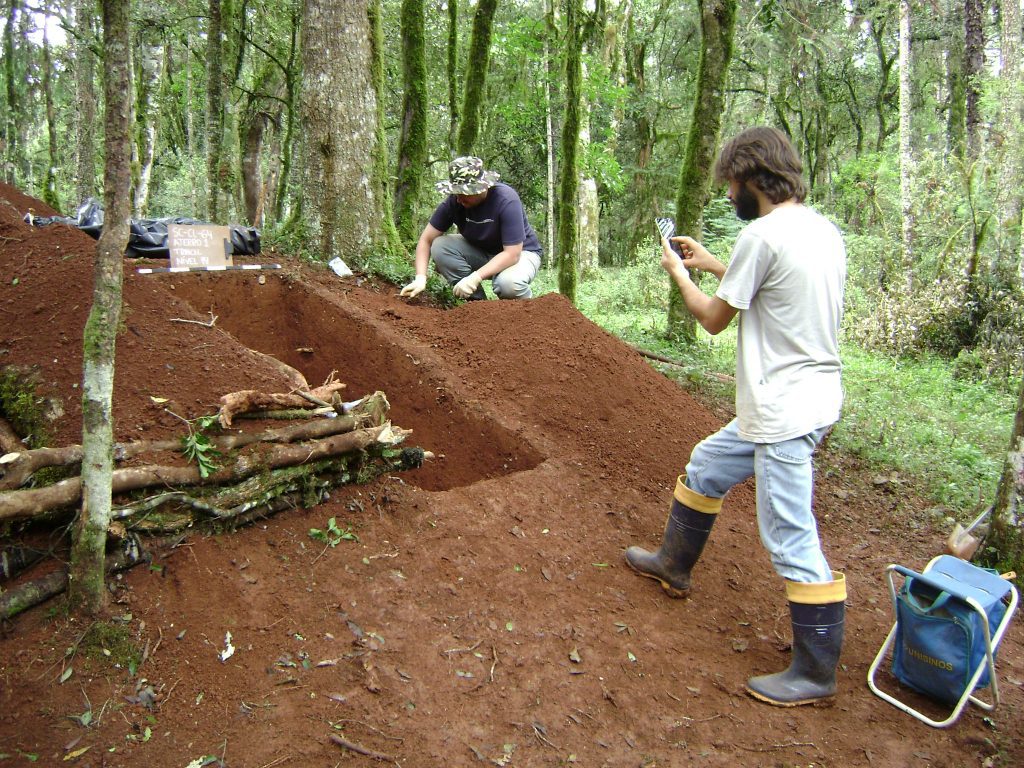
(785, 280)
(495, 241)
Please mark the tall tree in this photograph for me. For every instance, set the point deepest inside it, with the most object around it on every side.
(214, 107)
(476, 76)
(11, 138)
(344, 200)
(150, 67)
(1006, 535)
(630, 227)
(569, 181)
(86, 584)
(50, 194)
(412, 140)
(907, 143)
(452, 71)
(1010, 129)
(974, 63)
(87, 102)
(717, 22)
(956, 85)
(551, 66)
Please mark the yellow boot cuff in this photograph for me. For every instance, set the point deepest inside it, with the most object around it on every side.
(818, 593)
(696, 501)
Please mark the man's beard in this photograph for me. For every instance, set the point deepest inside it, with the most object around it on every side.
(746, 205)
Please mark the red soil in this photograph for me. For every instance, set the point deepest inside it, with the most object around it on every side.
(485, 615)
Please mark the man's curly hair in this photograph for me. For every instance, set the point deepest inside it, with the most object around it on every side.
(766, 157)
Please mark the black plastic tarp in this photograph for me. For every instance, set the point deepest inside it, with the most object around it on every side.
(147, 238)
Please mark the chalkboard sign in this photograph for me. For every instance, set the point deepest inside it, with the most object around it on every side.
(199, 245)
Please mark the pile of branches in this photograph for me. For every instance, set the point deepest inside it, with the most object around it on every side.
(214, 481)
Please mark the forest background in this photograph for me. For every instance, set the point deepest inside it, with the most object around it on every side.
(325, 123)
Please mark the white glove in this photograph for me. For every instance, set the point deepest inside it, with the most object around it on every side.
(467, 286)
(415, 288)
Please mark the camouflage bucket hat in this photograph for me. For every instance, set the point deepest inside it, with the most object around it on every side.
(466, 176)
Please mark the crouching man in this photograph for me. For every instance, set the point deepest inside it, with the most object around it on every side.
(494, 239)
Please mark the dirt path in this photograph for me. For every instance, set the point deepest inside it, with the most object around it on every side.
(485, 615)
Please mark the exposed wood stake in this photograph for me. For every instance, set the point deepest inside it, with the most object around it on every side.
(346, 744)
(213, 320)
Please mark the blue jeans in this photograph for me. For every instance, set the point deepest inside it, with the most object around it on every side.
(455, 258)
(784, 478)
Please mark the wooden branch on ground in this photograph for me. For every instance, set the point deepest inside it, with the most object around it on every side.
(346, 744)
(251, 400)
(17, 468)
(23, 504)
(668, 360)
(22, 597)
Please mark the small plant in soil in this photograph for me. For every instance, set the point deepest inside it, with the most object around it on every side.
(333, 535)
(198, 448)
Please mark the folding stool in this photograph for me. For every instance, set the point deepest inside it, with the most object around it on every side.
(960, 594)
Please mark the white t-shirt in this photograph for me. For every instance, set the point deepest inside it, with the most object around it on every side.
(786, 277)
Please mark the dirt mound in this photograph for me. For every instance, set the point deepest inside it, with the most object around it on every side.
(484, 615)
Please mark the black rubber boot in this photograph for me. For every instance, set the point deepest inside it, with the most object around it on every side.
(686, 532)
(818, 613)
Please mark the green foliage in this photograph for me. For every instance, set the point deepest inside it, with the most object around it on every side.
(23, 409)
(945, 434)
(197, 446)
(333, 535)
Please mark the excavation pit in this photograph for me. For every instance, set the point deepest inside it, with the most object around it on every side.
(316, 332)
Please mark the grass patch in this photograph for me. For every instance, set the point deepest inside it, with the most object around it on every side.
(946, 437)
(949, 436)
(112, 642)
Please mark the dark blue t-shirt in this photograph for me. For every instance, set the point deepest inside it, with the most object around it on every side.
(498, 221)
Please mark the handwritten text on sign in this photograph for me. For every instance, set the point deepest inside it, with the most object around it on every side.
(199, 245)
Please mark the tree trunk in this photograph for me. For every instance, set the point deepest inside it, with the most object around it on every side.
(412, 141)
(452, 49)
(11, 145)
(343, 188)
(631, 227)
(906, 146)
(151, 65)
(588, 206)
(1011, 136)
(880, 36)
(252, 180)
(214, 108)
(1006, 537)
(956, 85)
(717, 22)
(85, 96)
(288, 152)
(476, 76)
(569, 182)
(50, 196)
(551, 65)
(974, 63)
(90, 532)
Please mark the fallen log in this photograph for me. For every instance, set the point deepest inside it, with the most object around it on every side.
(17, 468)
(252, 400)
(30, 593)
(23, 504)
